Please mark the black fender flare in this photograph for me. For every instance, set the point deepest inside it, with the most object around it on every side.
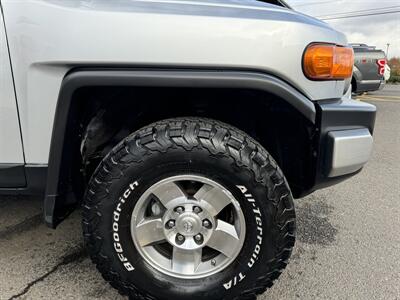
(57, 204)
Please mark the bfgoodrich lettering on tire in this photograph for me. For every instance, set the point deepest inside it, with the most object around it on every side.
(189, 208)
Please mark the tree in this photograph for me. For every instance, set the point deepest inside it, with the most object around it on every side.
(394, 64)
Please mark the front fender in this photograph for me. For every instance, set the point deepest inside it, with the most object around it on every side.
(58, 202)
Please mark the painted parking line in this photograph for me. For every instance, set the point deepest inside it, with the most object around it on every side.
(384, 96)
(378, 99)
(381, 98)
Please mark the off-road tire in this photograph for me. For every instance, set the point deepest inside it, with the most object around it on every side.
(200, 146)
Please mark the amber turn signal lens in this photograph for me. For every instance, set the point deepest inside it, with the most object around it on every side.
(328, 62)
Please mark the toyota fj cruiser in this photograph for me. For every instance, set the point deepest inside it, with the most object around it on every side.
(183, 128)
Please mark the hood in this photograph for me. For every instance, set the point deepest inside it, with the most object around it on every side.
(231, 3)
(244, 5)
(245, 9)
(277, 9)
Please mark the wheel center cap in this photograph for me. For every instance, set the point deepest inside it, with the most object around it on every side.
(188, 224)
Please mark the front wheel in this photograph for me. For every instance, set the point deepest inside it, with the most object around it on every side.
(189, 208)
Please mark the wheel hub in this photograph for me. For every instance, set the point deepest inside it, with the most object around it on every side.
(188, 226)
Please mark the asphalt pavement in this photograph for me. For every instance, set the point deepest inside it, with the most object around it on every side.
(348, 236)
(390, 93)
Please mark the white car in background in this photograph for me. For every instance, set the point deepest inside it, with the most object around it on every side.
(387, 72)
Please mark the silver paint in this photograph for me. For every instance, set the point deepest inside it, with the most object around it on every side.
(49, 37)
(351, 150)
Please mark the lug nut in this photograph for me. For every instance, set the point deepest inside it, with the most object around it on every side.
(179, 209)
(180, 239)
(198, 238)
(197, 210)
(170, 224)
(207, 224)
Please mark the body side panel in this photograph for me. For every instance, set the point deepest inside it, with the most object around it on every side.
(50, 37)
(11, 151)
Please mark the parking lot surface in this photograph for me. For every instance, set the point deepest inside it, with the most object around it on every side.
(348, 237)
(391, 93)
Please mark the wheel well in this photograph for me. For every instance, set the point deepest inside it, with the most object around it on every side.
(105, 115)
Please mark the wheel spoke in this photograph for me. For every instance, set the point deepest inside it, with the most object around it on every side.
(168, 192)
(179, 216)
(224, 239)
(186, 261)
(150, 232)
(213, 198)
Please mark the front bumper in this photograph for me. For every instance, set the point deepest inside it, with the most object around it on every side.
(345, 139)
(350, 150)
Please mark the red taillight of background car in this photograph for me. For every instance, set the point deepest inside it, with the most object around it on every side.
(381, 66)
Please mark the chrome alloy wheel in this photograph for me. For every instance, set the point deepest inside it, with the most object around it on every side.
(188, 226)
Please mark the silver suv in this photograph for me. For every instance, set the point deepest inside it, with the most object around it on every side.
(184, 129)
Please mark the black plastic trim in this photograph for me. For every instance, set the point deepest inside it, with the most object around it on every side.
(188, 78)
(277, 2)
(58, 184)
(338, 115)
(12, 175)
(27, 180)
